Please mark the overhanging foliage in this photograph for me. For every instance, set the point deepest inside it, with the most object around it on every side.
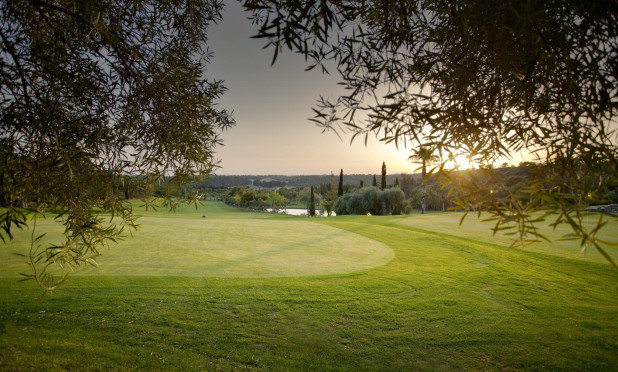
(481, 78)
(101, 100)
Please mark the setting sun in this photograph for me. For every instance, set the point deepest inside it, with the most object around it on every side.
(460, 161)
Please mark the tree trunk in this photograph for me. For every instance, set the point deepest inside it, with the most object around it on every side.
(424, 190)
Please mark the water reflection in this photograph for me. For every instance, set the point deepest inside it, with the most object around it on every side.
(300, 212)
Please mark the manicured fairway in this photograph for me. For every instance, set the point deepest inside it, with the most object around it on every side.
(446, 299)
(229, 248)
(476, 229)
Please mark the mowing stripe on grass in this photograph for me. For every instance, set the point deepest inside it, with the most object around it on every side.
(225, 248)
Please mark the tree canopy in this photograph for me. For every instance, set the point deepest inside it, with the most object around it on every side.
(100, 100)
(481, 78)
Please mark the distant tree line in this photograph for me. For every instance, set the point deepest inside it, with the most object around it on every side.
(269, 183)
(256, 199)
(402, 193)
(276, 181)
(246, 197)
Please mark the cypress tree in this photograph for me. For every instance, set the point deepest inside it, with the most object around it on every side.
(311, 204)
(375, 183)
(362, 184)
(397, 181)
(340, 189)
(383, 184)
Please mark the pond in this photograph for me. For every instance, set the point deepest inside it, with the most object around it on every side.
(299, 212)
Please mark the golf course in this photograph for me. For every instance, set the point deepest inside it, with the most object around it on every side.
(219, 288)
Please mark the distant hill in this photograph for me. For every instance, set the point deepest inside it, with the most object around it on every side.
(511, 175)
(276, 181)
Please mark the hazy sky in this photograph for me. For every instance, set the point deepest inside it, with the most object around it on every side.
(272, 105)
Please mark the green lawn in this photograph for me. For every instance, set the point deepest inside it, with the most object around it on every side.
(219, 247)
(345, 293)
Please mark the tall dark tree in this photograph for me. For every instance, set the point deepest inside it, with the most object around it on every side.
(340, 188)
(95, 95)
(362, 184)
(375, 182)
(397, 181)
(312, 204)
(383, 182)
(479, 78)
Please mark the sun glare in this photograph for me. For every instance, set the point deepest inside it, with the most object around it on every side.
(461, 162)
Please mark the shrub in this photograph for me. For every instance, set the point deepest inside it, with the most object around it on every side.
(363, 201)
(393, 200)
(341, 204)
(371, 200)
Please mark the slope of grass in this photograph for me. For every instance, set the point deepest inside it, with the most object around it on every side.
(444, 302)
(187, 243)
(476, 229)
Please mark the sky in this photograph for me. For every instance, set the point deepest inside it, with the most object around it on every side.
(272, 107)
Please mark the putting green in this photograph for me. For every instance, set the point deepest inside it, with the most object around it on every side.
(231, 248)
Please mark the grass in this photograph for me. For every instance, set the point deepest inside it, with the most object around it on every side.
(448, 300)
(478, 230)
(223, 245)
